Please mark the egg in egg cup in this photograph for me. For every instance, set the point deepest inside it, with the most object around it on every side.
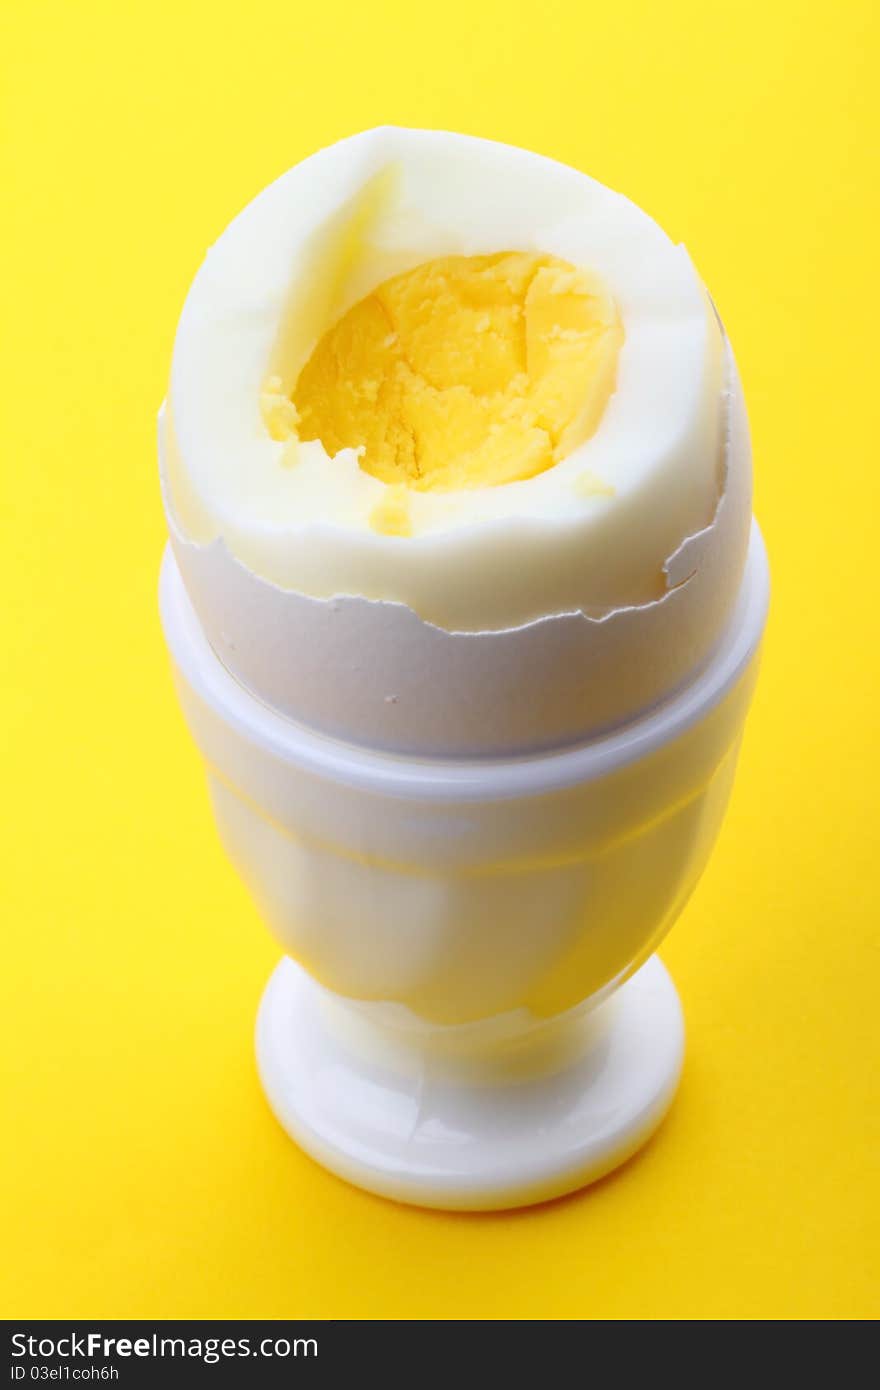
(464, 601)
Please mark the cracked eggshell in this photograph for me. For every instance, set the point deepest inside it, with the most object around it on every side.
(373, 672)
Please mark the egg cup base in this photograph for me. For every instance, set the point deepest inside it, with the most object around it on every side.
(398, 1116)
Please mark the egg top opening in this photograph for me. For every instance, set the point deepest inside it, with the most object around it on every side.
(431, 369)
(467, 371)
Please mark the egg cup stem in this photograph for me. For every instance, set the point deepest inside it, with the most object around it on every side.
(475, 1117)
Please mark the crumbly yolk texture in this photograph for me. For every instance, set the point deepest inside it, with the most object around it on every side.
(466, 372)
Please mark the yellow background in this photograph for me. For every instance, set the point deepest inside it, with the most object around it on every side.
(142, 1171)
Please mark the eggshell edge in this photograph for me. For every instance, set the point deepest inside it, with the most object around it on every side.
(374, 673)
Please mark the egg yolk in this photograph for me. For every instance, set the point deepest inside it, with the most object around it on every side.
(466, 372)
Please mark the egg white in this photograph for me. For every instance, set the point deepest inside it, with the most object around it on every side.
(481, 559)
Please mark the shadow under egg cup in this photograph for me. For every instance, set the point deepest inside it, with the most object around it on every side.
(469, 1014)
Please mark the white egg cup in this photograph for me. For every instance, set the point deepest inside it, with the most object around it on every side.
(469, 1014)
